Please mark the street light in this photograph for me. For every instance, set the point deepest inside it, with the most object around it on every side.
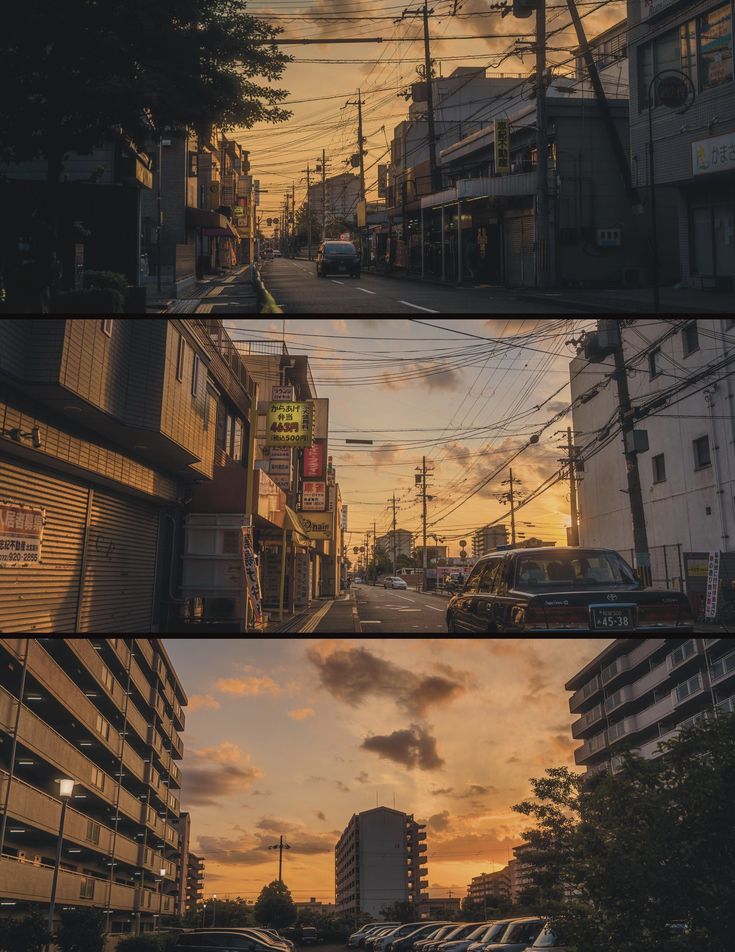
(161, 873)
(675, 90)
(66, 788)
(214, 909)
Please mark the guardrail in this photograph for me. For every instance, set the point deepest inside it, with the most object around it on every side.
(266, 301)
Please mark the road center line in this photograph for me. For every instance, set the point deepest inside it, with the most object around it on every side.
(418, 307)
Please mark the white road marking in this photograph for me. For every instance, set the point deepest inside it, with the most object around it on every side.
(431, 607)
(336, 282)
(418, 307)
(403, 611)
(412, 600)
(365, 291)
(363, 622)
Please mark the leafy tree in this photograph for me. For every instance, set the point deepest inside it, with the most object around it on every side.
(83, 71)
(24, 935)
(619, 857)
(302, 226)
(400, 912)
(81, 930)
(225, 912)
(274, 906)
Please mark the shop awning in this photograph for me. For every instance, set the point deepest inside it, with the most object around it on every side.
(203, 218)
(293, 524)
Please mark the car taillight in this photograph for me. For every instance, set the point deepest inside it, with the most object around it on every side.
(556, 617)
(666, 615)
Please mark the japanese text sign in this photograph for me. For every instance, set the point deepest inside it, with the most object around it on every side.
(21, 533)
(289, 424)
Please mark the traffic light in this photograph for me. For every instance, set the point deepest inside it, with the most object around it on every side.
(269, 221)
(522, 9)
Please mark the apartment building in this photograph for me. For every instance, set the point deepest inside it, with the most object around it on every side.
(190, 881)
(315, 907)
(486, 886)
(106, 713)
(380, 859)
(399, 542)
(638, 692)
(194, 883)
(488, 539)
(688, 470)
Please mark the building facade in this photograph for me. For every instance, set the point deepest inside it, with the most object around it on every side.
(490, 886)
(336, 200)
(688, 471)
(488, 539)
(106, 713)
(694, 150)
(398, 542)
(638, 692)
(380, 860)
(190, 881)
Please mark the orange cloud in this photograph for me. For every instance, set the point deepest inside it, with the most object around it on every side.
(252, 686)
(203, 702)
(301, 713)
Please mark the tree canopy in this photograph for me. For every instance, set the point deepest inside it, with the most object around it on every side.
(619, 858)
(83, 70)
(274, 906)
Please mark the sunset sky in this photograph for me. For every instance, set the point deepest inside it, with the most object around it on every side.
(294, 736)
(462, 392)
(319, 85)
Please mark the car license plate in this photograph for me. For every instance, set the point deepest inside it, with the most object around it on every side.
(343, 267)
(613, 619)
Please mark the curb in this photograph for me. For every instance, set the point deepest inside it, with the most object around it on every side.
(631, 307)
(266, 302)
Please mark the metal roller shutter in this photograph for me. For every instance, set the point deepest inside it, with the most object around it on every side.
(43, 599)
(520, 265)
(120, 569)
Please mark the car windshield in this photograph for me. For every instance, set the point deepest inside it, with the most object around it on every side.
(546, 940)
(339, 248)
(495, 931)
(522, 932)
(577, 569)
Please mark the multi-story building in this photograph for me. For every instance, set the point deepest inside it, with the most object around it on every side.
(442, 908)
(488, 539)
(520, 873)
(398, 542)
(486, 886)
(194, 883)
(638, 692)
(694, 147)
(320, 908)
(107, 714)
(190, 871)
(688, 471)
(337, 199)
(380, 860)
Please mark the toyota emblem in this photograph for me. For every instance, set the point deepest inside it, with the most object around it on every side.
(612, 598)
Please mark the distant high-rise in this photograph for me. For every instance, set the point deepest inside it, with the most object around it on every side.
(488, 539)
(380, 860)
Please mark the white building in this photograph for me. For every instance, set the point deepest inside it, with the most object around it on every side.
(680, 378)
(403, 543)
(640, 691)
(380, 860)
(488, 539)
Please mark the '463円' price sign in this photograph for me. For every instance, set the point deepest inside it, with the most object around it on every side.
(290, 424)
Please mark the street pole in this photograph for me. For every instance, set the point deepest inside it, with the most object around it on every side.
(158, 216)
(635, 491)
(293, 215)
(572, 462)
(280, 846)
(423, 519)
(434, 170)
(361, 156)
(395, 558)
(214, 910)
(512, 510)
(66, 788)
(308, 209)
(652, 197)
(375, 554)
(542, 152)
(324, 194)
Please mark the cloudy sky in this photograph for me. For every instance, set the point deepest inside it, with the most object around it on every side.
(294, 736)
(322, 78)
(466, 393)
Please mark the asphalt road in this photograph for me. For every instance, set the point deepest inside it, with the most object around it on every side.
(296, 288)
(397, 612)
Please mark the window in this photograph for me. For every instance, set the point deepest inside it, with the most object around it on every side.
(702, 455)
(680, 654)
(615, 731)
(659, 468)
(474, 580)
(723, 666)
(690, 338)
(193, 164)
(180, 358)
(86, 888)
(195, 375)
(107, 327)
(107, 678)
(93, 831)
(688, 688)
(98, 778)
(102, 727)
(237, 440)
(488, 583)
(655, 360)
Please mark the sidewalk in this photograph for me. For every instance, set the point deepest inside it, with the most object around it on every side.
(326, 616)
(203, 295)
(635, 300)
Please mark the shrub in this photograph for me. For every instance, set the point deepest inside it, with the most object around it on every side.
(24, 935)
(111, 280)
(81, 930)
(88, 301)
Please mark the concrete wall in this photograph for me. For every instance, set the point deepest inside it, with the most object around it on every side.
(382, 858)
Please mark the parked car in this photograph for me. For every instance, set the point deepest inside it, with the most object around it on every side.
(383, 943)
(423, 945)
(460, 930)
(483, 932)
(309, 935)
(519, 934)
(338, 257)
(227, 940)
(392, 581)
(273, 936)
(546, 939)
(408, 942)
(549, 589)
(357, 939)
(372, 939)
(277, 253)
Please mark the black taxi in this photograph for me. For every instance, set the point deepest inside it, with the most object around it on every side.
(563, 589)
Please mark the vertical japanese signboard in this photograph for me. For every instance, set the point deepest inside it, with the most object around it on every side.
(313, 466)
(289, 424)
(314, 497)
(252, 578)
(713, 585)
(502, 146)
(21, 535)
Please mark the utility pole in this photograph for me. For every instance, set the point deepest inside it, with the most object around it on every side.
(360, 152)
(280, 846)
(375, 554)
(542, 153)
(308, 209)
(510, 497)
(293, 216)
(635, 492)
(324, 194)
(425, 12)
(571, 462)
(421, 476)
(395, 557)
